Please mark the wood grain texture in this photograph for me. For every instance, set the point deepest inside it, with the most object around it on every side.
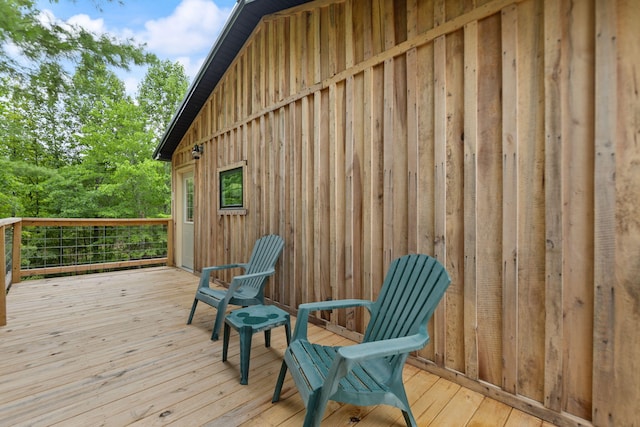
(470, 200)
(531, 208)
(553, 208)
(605, 214)
(486, 133)
(627, 248)
(79, 352)
(510, 173)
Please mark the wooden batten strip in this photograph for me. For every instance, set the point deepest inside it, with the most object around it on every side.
(440, 190)
(412, 151)
(606, 87)
(271, 63)
(295, 241)
(272, 171)
(349, 49)
(425, 160)
(321, 226)
(367, 187)
(308, 201)
(389, 151)
(348, 196)
(337, 197)
(315, 38)
(400, 179)
(553, 207)
(378, 268)
(510, 199)
(470, 199)
(285, 284)
(356, 143)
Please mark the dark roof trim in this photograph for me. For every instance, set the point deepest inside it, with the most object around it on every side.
(244, 17)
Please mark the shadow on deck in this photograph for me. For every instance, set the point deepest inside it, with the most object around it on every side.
(113, 349)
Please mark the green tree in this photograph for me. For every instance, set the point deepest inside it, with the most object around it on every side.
(37, 41)
(38, 132)
(116, 176)
(72, 142)
(160, 94)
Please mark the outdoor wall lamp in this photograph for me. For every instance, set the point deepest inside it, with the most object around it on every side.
(197, 151)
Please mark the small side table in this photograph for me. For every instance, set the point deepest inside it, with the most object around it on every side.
(248, 321)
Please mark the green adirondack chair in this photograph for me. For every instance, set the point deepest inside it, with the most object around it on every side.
(244, 290)
(369, 373)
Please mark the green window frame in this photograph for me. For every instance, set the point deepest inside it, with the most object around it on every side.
(232, 189)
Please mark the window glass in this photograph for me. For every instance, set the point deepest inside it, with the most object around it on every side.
(232, 188)
(189, 199)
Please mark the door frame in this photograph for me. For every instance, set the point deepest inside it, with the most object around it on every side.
(180, 214)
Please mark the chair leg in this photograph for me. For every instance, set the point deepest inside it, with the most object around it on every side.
(193, 310)
(408, 418)
(401, 394)
(220, 314)
(315, 410)
(276, 392)
(267, 338)
(287, 329)
(225, 342)
(245, 354)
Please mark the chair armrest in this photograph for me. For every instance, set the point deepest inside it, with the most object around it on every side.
(383, 348)
(302, 319)
(206, 273)
(236, 283)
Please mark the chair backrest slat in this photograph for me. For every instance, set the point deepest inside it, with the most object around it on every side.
(411, 290)
(264, 256)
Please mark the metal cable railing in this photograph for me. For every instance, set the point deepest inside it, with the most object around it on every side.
(63, 246)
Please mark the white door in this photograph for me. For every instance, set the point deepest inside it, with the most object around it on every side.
(187, 220)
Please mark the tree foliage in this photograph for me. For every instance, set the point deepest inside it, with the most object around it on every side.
(73, 143)
(30, 40)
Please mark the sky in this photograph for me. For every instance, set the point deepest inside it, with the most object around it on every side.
(177, 30)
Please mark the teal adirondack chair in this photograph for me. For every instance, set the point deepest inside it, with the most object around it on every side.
(244, 290)
(369, 373)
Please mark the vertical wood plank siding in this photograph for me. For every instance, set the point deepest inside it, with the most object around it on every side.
(499, 136)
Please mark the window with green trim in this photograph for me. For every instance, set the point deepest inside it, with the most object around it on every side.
(232, 188)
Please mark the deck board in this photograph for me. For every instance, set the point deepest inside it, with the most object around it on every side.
(113, 349)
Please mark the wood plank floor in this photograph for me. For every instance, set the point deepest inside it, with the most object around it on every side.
(113, 349)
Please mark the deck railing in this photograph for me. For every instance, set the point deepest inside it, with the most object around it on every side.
(48, 246)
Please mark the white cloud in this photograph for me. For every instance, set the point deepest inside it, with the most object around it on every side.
(191, 28)
(95, 26)
(82, 20)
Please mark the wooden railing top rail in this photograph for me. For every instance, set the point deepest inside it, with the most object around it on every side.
(9, 221)
(65, 222)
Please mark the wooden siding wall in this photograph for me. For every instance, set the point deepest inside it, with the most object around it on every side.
(499, 136)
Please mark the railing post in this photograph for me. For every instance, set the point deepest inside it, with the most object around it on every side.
(3, 279)
(170, 260)
(16, 257)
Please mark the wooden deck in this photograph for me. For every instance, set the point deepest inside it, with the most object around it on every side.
(113, 349)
